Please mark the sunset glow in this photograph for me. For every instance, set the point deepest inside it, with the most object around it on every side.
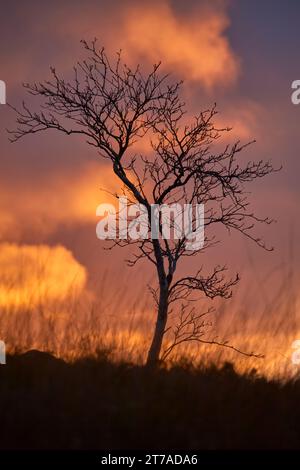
(52, 182)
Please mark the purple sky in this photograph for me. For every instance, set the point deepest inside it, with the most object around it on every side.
(241, 54)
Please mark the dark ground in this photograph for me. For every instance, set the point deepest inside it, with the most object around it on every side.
(95, 404)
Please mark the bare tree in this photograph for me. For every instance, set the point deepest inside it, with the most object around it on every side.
(112, 107)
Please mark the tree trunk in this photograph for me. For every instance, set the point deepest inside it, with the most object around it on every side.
(161, 321)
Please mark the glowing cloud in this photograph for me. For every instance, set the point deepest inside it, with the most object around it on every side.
(35, 274)
(194, 46)
(45, 205)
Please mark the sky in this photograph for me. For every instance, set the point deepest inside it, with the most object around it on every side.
(243, 55)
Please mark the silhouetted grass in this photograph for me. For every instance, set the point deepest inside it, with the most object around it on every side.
(47, 403)
(76, 326)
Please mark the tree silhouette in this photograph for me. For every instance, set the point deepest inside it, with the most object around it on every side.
(113, 106)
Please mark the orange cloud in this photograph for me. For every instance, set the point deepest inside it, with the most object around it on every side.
(32, 275)
(61, 199)
(195, 46)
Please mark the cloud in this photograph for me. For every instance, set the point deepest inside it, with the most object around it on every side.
(64, 198)
(195, 45)
(32, 275)
(191, 43)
